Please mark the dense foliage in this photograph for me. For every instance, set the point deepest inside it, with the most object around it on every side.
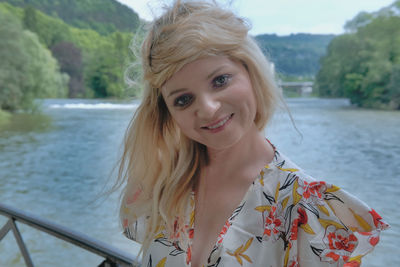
(103, 16)
(27, 68)
(364, 64)
(70, 59)
(296, 54)
(94, 63)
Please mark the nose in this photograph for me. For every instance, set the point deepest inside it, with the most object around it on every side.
(207, 106)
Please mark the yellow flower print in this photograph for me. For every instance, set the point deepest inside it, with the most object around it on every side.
(363, 223)
(240, 250)
(161, 263)
(288, 169)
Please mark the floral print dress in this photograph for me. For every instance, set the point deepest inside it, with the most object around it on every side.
(285, 219)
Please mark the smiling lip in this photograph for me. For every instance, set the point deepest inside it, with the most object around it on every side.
(218, 125)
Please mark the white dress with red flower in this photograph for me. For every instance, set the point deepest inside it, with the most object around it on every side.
(285, 219)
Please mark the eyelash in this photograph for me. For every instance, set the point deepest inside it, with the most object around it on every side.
(187, 99)
(226, 77)
(183, 98)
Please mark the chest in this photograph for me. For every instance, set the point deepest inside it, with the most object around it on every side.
(212, 213)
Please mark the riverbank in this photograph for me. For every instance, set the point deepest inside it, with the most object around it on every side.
(4, 117)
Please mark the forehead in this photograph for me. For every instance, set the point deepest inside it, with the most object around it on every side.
(198, 70)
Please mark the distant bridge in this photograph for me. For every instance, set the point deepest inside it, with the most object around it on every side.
(298, 88)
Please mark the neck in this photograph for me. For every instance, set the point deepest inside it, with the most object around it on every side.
(248, 155)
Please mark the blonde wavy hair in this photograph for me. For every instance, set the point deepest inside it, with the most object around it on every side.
(159, 164)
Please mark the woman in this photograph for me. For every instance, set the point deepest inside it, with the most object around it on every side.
(201, 179)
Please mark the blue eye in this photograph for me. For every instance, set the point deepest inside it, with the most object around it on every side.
(221, 80)
(183, 100)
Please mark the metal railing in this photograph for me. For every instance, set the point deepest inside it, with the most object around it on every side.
(113, 257)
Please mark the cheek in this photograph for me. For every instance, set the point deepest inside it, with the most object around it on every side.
(184, 122)
(244, 94)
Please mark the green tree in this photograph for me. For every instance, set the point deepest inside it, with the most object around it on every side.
(393, 88)
(29, 19)
(343, 57)
(70, 59)
(363, 65)
(106, 65)
(120, 49)
(353, 87)
(362, 19)
(105, 74)
(27, 69)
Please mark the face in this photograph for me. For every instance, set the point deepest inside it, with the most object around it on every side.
(212, 101)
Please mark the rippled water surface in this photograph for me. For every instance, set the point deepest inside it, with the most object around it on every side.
(54, 165)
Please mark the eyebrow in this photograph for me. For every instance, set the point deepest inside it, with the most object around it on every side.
(176, 91)
(215, 71)
(208, 77)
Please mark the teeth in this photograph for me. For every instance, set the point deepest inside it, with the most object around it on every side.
(219, 124)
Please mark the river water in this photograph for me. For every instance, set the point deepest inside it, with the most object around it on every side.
(55, 165)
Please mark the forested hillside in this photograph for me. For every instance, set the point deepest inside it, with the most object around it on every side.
(296, 54)
(91, 64)
(364, 64)
(103, 16)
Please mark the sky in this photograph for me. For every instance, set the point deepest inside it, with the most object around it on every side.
(283, 17)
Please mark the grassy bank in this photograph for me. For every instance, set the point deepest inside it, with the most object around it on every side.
(4, 116)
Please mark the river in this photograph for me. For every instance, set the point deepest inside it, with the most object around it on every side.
(56, 165)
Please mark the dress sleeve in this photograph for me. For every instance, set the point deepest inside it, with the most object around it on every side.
(333, 228)
(130, 231)
(133, 225)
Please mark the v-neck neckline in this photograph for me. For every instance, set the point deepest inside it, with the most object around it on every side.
(225, 227)
(235, 212)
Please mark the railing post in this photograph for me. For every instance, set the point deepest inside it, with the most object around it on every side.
(5, 229)
(108, 263)
(21, 244)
